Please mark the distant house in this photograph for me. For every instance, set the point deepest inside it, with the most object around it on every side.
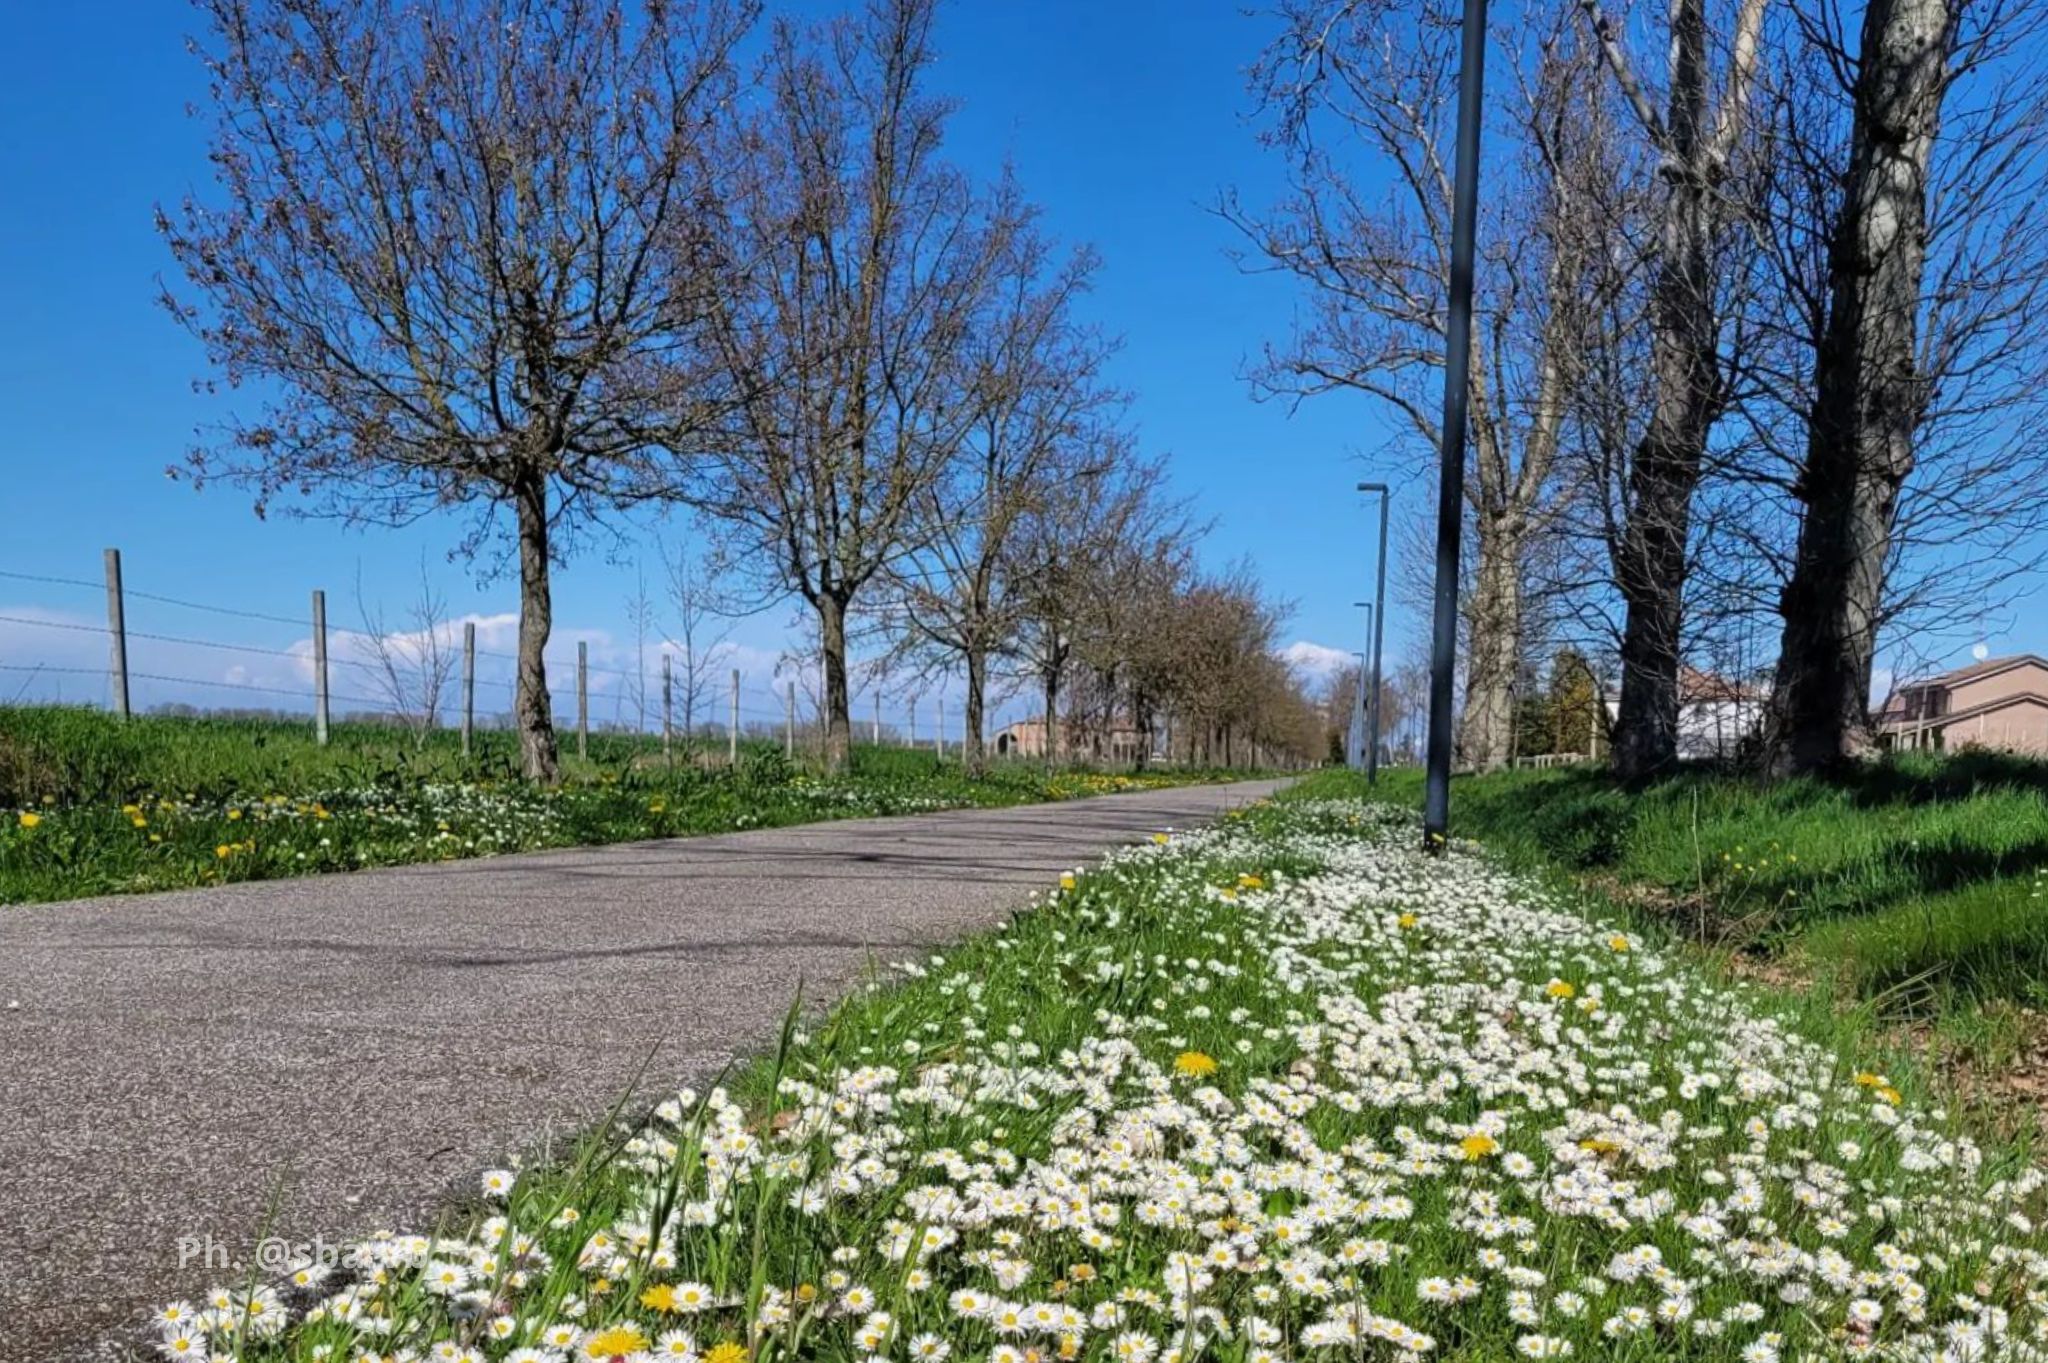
(1716, 714)
(1120, 742)
(1998, 703)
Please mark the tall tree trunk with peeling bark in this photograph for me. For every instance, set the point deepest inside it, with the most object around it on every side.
(1494, 612)
(1868, 395)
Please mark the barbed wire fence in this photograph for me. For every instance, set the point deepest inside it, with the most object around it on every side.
(146, 634)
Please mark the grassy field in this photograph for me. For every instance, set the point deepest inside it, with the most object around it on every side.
(1281, 1090)
(1918, 887)
(90, 805)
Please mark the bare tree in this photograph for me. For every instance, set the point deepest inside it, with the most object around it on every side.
(703, 625)
(866, 260)
(1925, 316)
(458, 241)
(1697, 137)
(1362, 97)
(1060, 562)
(411, 666)
(1039, 403)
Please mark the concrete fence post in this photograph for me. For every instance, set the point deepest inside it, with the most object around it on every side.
(320, 667)
(668, 691)
(468, 683)
(117, 636)
(582, 698)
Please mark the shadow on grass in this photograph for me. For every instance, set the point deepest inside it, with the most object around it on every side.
(1783, 855)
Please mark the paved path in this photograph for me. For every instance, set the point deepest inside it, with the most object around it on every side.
(327, 1055)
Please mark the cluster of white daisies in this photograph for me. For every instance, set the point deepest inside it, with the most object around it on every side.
(1282, 1089)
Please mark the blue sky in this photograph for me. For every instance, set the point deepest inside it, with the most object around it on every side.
(1124, 120)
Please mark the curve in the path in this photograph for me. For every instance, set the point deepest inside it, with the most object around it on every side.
(328, 1055)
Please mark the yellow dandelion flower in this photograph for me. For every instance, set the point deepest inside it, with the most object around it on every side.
(1407, 920)
(1890, 1095)
(616, 1342)
(1868, 1080)
(234, 814)
(726, 1351)
(1195, 1064)
(138, 821)
(1618, 942)
(1479, 1145)
(1598, 1146)
(1161, 838)
(222, 851)
(660, 1297)
(1559, 989)
(1067, 881)
(30, 820)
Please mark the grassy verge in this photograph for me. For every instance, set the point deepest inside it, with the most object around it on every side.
(1284, 1089)
(1917, 888)
(92, 806)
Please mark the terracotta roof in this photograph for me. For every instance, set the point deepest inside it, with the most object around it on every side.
(1695, 685)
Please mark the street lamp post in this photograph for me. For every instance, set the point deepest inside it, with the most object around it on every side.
(1450, 503)
(1379, 628)
(1364, 698)
(1354, 730)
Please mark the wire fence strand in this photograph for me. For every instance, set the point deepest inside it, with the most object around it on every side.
(631, 694)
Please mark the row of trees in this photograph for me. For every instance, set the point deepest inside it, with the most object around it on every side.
(557, 261)
(1757, 331)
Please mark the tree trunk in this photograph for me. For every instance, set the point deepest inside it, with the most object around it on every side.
(1651, 559)
(973, 753)
(1051, 746)
(1868, 399)
(532, 708)
(838, 696)
(1495, 618)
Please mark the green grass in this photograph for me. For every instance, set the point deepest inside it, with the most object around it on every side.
(1181, 1073)
(92, 805)
(1918, 882)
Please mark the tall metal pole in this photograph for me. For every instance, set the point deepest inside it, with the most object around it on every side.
(583, 698)
(1450, 497)
(320, 667)
(1379, 630)
(117, 636)
(668, 694)
(1363, 699)
(468, 682)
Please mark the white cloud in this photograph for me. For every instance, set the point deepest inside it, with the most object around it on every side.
(1313, 662)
